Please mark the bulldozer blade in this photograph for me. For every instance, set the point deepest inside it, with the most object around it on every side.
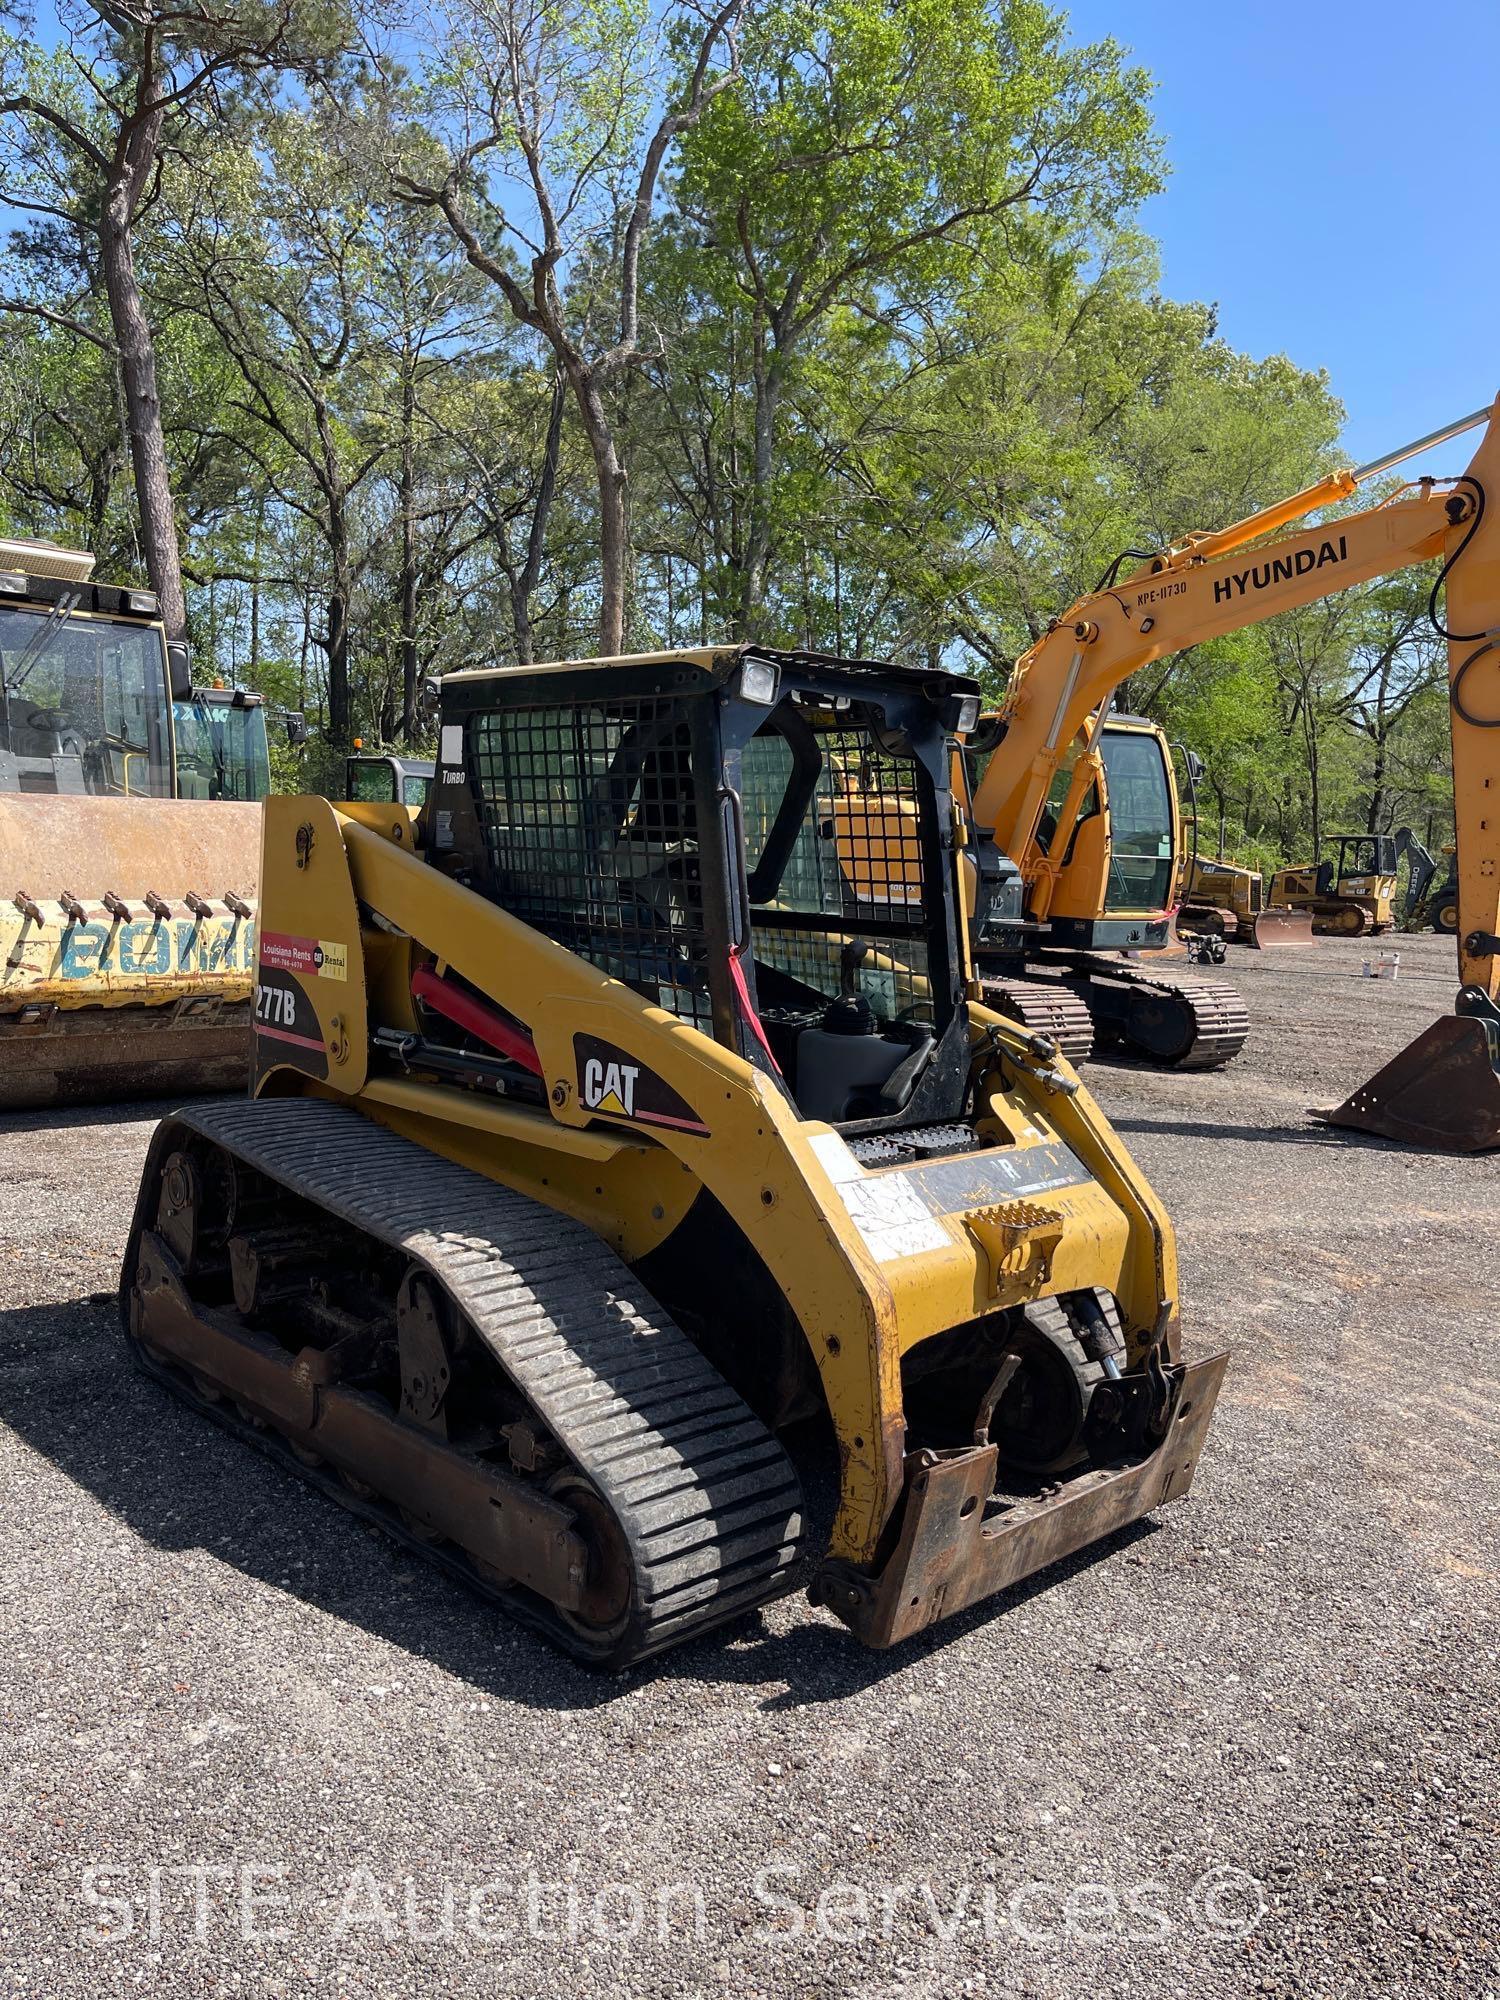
(1281, 926)
(1441, 1093)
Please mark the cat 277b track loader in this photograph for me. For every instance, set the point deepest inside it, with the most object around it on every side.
(627, 1132)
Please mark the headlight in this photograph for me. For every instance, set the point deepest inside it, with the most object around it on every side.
(143, 601)
(759, 680)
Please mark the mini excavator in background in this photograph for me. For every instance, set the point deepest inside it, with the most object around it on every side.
(1444, 1092)
(628, 1131)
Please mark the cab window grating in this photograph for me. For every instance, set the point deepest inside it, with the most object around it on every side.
(854, 874)
(589, 815)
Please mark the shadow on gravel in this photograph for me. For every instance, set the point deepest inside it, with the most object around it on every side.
(51, 1118)
(1324, 1136)
(179, 1483)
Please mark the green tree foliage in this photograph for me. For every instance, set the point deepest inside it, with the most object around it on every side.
(825, 321)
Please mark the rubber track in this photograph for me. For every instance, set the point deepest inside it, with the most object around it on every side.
(709, 1504)
(1045, 1007)
(1221, 1020)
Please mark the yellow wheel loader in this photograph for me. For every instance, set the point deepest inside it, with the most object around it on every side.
(129, 846)
(626, 1138)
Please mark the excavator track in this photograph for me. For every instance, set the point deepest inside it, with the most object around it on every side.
(1045, 1007)
(1181, 1021)
(637, 1502)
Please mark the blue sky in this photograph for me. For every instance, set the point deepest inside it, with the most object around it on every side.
(1336, 189)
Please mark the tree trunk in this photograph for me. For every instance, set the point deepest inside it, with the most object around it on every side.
(410, 720)
(769, 380)
(523, 586)
(337, 642)
(614, 526)
(148, 450)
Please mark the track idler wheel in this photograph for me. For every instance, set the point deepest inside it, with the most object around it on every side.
(1038, 1421)
(603, 1611)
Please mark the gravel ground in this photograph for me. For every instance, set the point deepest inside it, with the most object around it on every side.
(1245, 1747)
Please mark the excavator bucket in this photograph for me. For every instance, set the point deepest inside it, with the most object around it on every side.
(1280, 925)
(1441, 1093)
(127, 946)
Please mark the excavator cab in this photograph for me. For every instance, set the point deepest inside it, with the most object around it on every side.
(1112, 884)
(1119, 866)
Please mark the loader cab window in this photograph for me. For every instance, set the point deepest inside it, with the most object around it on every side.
(849, 900)
(222, 751)
(83, 705)
(388, 780)
(834, 863)
(773, 876)
(1140, 822)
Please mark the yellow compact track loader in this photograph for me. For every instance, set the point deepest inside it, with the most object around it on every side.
(626, 1140)
(129, 845)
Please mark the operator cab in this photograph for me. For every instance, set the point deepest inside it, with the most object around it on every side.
(223, 751)
(1365, 854)
(84, 704)
(760, 842)
(376, 778)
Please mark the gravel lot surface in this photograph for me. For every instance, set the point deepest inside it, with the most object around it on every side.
(1247, 1747)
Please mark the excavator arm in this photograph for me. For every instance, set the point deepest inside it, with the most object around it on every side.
(1211, 584)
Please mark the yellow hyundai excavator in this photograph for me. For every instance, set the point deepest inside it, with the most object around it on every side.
(628, 1132)
(1119, 866)
(129, 844)
(1046, 761)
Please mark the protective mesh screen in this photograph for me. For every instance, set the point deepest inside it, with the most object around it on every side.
(590, 824)
(856, 864)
